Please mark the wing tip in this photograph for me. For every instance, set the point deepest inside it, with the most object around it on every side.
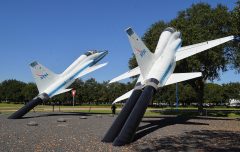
(106, 63)
(117, 100)
(114, 102)
(112, 81)
(129, 31)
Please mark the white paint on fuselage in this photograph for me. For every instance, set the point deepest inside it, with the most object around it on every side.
(71, 73)
(74, 64)
(164, 60)
(162, 42)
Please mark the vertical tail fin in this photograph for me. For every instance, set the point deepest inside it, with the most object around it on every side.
(143, 55)
(43, 76)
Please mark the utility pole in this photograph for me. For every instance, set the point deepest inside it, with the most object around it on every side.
(73, 94)
(176, 95)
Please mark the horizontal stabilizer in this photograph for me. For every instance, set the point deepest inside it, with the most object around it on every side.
(174, 78)
(61, 91)
(91, 69)
(123, 97)
(131, 73)
(128, 94)
(190, 50)
(179, 77)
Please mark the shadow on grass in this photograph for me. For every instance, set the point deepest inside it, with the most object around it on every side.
(214, 141)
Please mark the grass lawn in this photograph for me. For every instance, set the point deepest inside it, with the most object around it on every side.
(2, 105)
(106, 109)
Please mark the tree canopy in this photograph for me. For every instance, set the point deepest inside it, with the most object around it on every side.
(197, 24)
(93, 92)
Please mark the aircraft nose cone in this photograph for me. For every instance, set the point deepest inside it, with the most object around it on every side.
(101, 55)
(104, 53)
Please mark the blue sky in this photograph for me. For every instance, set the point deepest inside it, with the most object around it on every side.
(56, 32)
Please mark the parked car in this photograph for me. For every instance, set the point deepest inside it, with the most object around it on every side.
(234, 103)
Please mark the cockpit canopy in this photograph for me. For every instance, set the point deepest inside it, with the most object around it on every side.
(91, 52)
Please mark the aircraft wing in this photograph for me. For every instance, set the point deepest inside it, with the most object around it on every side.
(91, 69)
(133, 72)
(190, 50)
(123, 97)
(61, 91)
(179, 77)
(128, 94)
(174, 78)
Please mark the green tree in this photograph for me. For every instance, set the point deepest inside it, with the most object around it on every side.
(195, 24)
(29, 91)
(186, 94)
(231, 91)
(1, 93)
(78, 85)
(234, 53)
(12, 90)
(167, 94)
(213, 93)
(198, 23)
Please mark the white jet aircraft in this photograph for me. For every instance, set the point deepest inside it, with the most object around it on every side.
(156, 69)
(53, 84)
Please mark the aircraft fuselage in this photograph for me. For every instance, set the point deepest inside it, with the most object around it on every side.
(164, 61)
(73, 71)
